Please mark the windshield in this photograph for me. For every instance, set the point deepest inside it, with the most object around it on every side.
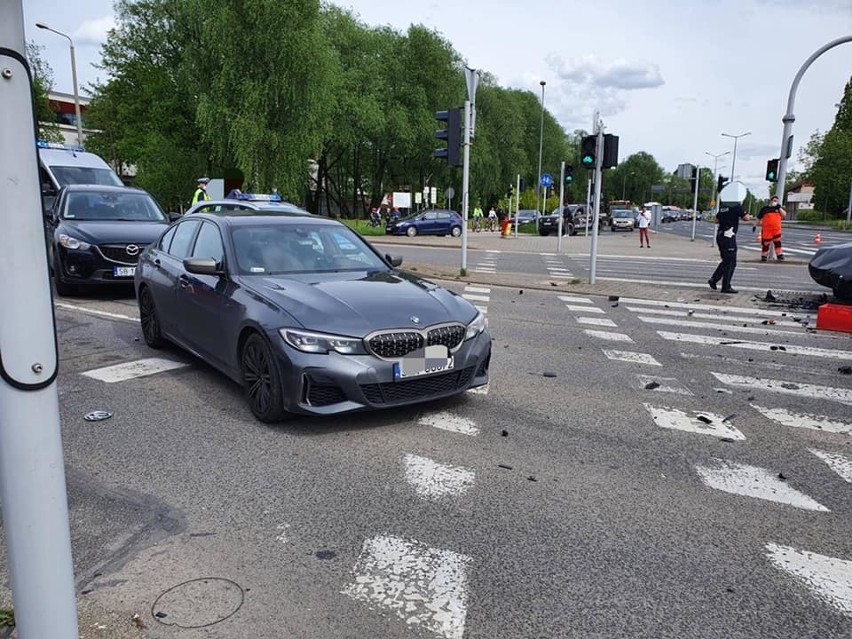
(131, 206)
(622, 214)
(280, 250)
(66, 175)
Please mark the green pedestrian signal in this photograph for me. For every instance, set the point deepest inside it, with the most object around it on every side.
(772, 170)
(569, 174)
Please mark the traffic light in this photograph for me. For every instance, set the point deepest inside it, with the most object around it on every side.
(610, 152)
(523, 185)
(452, 134)
(721, 183)
(772, 170)
(510, 192)
(589, 151)
(569, 174)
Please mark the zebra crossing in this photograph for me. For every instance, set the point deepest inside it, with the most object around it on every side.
(487, 263)
(556, 268)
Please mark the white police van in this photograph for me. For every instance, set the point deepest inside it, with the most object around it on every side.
(60, 165)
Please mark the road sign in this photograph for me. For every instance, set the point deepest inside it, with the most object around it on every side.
(450, 193)
(546, 180)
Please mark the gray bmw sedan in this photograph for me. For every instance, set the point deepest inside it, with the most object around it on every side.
(306, 315)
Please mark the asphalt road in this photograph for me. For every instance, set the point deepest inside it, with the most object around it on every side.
(635, 469)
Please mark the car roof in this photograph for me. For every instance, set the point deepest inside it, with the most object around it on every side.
(266, 218)
(101, 188)
(250, 207)
(71, 157)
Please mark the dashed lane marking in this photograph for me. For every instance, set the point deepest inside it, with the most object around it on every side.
(791, 349)
(131, 370)
(733, 328)
(828, 578)
(424, 586)
(93, 311)
(840, 464)
(663, 385)
(584, 309)
(812, 391)
(801, 420)
(607, 335)
(450, 422)
(633, 358)
(597, 321)
(432, 480)
(699, 422)
(752, 481)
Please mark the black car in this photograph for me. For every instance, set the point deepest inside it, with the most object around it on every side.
(95, 234)
(548, 224)
(307, 315)
(831, 266)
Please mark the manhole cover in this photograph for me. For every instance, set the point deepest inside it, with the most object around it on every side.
(198, 603)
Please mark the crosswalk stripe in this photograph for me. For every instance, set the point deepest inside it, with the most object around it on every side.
(481, 309)
(479, 390)
(752, 481)
(707, 340)
(828, 578)
(663, 385)
(449, 422)
(557, 276)
(597, 321)
(713, 316)
(476, 298)
(584, 309)
(699, 422)
(812, 391)
(840, 464)
(607, 335)
(634, 358)
(476, 289)
(132, 370)
(575, 300)
(734, 328)
(433, 480)
(708, 307)
(800, 420)
(484, 270)
(423, 586)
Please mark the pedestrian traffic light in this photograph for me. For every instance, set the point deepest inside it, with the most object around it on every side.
(610, 152)
(569, 174)
(589, 151)
(721, 183)
(772, 170)
(510, 192)
(452, 134)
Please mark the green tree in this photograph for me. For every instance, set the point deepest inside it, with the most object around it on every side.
(48, 129)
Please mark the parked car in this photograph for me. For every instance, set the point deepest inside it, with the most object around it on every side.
(430, 222)
(831, 266)
(95, 235)
(548, 224)
(252, 203)
(622, 220)
(525, 217)
(307, 315)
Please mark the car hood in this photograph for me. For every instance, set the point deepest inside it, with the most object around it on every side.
(357, 304)
(141, 233)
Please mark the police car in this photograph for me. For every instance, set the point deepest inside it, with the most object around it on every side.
(261, 203)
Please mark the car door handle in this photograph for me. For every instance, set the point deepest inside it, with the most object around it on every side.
(157, 262)
(184, 281)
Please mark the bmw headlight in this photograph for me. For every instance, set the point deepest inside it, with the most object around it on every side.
(479, 324)
(73, 243)
(323, 343)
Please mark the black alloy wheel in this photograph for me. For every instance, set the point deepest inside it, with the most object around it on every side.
(62, 288)
(149, 320)
(262, 380)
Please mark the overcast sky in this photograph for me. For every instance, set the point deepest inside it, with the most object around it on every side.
(669, 76)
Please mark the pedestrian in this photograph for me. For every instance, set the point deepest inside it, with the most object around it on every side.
(200, 194)
(770, 229)
(728, 221)
(643, 221)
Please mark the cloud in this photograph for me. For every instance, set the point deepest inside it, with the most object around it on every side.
(617, 74)
(757, 151)
(94, 32)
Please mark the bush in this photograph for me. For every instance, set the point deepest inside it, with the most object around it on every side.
(363, 227)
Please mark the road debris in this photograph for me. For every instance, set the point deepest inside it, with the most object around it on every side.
(652, 385)
(97, 416)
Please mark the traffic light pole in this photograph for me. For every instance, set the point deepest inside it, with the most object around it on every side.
(561, 204)
(598, 163)
(588, 204)
(32, 471)
(465, 182)
(789, 118)
(695, 201)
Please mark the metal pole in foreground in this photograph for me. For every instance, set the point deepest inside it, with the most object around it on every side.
(588, 204)
(695, 201)
(849, 210)
(593, 259)
(559, 209)
(465, 182)
(517, 204)
(540, 147)
(32, 471)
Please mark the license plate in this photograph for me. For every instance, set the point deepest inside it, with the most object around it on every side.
(432, 359)
(124, 271)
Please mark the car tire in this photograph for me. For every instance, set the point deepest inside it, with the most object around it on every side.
(261, 380)
(544, 233)
(411, 231)
(149, 320)
(62, 288)
(456, 231)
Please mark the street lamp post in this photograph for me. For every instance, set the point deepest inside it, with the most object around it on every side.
(624, 185)
(540, 147)
(716, 169)
(41, 25)
(734, 160)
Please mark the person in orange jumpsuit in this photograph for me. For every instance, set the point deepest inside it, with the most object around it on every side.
(770, 229)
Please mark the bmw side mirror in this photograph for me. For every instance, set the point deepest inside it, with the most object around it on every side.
(174, 217)
(394, 260)
(202, 266)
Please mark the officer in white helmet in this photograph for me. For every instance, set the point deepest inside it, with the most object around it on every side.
(728, 218)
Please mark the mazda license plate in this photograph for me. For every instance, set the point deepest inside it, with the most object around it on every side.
(124, 271)
(432, 359)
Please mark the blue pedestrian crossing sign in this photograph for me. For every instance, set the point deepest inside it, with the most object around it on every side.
(546, 180)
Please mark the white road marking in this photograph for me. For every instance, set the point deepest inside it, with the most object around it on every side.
(752, 481)
(634, 358)
(575, 300)
(484, 270)
(733, 328)
(476, 289)
(481, 309)
(584, 309)
(828, 578)
(282, 533)
(479, 390)
(750, 289)
(742, 362)
(840, 464)
(597, 321)
(666, 385)
(432, 480)
(425, 587)
(717, 308)
(812, 391)
(493, 251)
(699, 422)
(476, 298)
(791, 349)
(131, 370)
(450, 422)
(92, 311)
(801, 420)
(558, 269)
(715, 316)
(607, 335)
(557, 276)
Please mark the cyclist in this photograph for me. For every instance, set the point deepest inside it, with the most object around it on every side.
(477, 218)
(492, 219)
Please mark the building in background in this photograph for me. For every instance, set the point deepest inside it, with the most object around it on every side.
(799, 199)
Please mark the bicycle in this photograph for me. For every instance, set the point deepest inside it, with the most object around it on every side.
(477, 224)
(491, 224)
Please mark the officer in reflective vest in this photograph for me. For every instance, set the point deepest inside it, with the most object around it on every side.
(201, 192)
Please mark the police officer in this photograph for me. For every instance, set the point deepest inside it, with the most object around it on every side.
(728, 218)
(201, 192)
